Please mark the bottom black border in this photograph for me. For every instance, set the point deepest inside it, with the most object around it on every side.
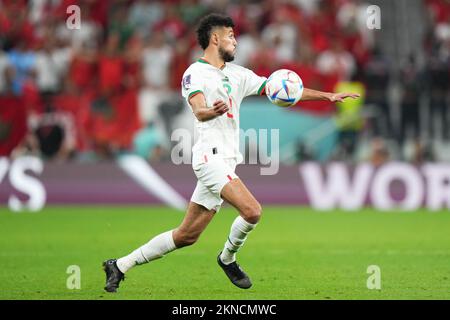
(225, 309)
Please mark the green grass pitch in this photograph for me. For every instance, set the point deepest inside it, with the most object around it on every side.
(294, 253)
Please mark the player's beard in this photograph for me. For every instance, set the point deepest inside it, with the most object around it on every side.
(225, 55)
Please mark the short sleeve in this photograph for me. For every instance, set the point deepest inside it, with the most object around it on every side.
(191, 84)
(254, 84)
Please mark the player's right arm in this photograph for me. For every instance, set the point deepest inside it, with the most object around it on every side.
(202, 112)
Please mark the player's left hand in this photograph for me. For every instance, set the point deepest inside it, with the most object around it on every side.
(339, 97)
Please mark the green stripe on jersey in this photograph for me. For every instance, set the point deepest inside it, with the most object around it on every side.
(195, 92)
(203, 61)
(262, 87)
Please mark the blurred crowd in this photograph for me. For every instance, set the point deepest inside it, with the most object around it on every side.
(111, 85)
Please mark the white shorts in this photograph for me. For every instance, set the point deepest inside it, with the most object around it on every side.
(213, 174)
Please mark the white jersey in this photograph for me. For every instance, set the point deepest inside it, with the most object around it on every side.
(232, 83)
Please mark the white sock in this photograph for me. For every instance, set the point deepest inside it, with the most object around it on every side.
(238, 234)
(156, 248)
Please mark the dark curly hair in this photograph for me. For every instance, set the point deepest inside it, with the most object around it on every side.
(208, 23)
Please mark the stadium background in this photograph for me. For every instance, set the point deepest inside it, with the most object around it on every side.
(76, 106)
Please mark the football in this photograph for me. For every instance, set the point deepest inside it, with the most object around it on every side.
(284, 88)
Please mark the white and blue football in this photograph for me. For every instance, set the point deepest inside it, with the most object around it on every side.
(284, 88)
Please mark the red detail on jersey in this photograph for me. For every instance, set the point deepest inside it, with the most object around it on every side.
(229, 114)
(229, 177)
(263, 92)
(206, 158)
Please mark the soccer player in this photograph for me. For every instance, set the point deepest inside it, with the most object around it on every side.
(214, 88)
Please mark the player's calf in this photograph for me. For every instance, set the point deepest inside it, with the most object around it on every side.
(236, 239)
(155, 249)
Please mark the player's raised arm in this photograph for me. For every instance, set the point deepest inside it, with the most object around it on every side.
(310, 94)
(202, 112)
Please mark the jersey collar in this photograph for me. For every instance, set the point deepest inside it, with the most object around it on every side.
(203, 60)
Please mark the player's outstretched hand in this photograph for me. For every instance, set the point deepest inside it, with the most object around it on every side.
(220, 107)
(339, 97)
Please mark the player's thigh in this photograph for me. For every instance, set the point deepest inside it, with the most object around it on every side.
(194, 223)
(237, 194)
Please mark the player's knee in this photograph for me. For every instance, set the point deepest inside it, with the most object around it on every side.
(252, 213)
(185, 242)
(184, 239)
